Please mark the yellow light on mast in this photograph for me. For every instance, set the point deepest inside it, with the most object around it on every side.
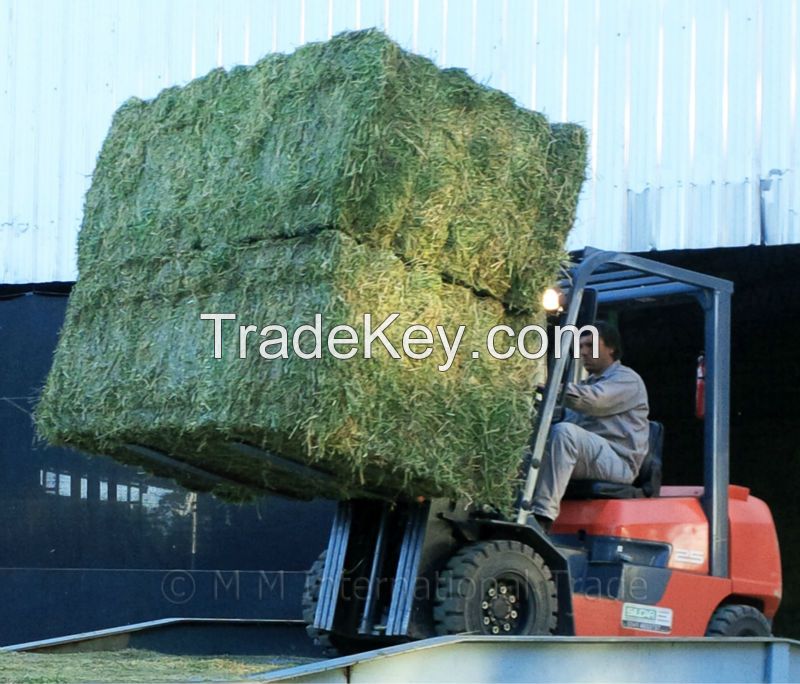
(551, 301)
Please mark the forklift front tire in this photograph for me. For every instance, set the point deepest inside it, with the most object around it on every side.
(332, 644)
(310, 599)
(496, 587)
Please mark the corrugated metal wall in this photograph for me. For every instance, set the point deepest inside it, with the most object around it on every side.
(691, 105)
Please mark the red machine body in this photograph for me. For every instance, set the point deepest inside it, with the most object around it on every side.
(690, 595)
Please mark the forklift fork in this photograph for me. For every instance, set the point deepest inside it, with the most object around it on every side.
(371, 572)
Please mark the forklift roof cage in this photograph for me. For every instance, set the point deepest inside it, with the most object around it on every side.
(618, 278)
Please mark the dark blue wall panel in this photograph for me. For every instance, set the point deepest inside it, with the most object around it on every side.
(74, 559)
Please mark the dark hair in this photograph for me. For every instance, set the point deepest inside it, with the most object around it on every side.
(610, 335)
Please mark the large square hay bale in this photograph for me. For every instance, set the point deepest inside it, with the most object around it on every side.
(354, 134)
(348, 178)
(135, 364)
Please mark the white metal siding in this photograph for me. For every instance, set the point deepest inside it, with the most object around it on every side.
(691, 105)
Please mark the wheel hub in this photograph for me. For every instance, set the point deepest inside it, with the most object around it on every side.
(500, 608)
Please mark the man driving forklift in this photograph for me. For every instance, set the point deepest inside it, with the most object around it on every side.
(604, 432)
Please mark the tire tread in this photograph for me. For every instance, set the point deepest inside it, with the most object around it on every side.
(724, 620)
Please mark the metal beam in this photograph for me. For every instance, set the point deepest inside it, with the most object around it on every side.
(407, 572)
(612, 273)
(627, 284)
(334, 567)
(108, 639)
(596, 260)
(466, 659)
(544, 416)
(368, 619)
(716, 474)
(647, 291)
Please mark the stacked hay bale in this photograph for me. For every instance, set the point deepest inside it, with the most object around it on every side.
(348, 178)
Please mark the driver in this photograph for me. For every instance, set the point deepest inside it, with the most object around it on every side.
(604, 433)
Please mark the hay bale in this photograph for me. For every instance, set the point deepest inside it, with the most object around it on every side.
(355, 134)
(348, 178)
(135, 364)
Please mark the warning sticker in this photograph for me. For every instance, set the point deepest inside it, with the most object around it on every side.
(647, 618)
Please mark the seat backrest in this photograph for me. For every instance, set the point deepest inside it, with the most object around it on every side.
(649, 478)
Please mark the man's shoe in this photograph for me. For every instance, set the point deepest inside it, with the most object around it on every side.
(541, 521)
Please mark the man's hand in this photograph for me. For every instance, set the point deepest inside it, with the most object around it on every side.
(538, 398)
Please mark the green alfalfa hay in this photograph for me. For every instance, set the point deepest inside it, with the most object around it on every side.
(354, 134)
(129, 665)
(135, 364)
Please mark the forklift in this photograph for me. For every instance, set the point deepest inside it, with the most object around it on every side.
(620, 560)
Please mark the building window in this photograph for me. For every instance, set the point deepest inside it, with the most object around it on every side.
(122, 492)
(103, 490)
(50, 482)
(84, 488)
(64, 484)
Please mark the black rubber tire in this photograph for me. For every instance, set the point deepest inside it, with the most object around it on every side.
(736, 620)
(310, 599)
(332, 644)
(465, 602)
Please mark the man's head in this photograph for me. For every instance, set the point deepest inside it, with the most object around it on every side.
(609, 348)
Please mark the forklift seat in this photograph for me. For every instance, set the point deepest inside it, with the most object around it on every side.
(646, 484)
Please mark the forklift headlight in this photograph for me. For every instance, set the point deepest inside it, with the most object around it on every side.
(551, 301)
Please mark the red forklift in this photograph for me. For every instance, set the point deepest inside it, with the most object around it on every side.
(621, 560)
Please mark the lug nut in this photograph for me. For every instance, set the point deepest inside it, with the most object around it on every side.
(485, 605)
(512, 599)
(513, 613)
(507, 627)
(503, 588)
(486, 621)
(495, 630)
(492, 592)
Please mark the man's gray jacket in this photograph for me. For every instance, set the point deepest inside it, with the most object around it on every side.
(613, 405)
